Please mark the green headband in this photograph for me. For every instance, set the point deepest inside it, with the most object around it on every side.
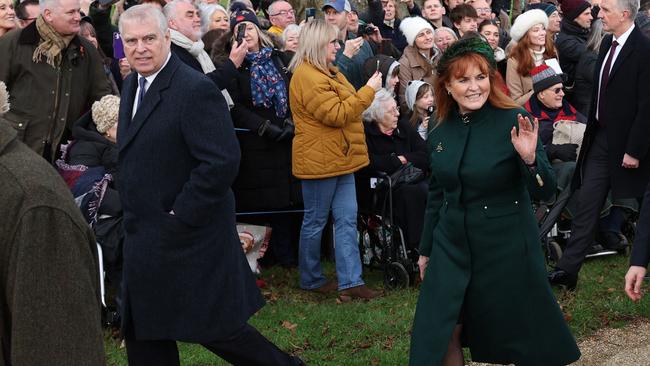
(462, 47)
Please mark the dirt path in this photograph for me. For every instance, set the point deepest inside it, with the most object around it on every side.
(628, 346)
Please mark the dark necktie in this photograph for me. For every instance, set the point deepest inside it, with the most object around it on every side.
(604, 79)
(141, 82)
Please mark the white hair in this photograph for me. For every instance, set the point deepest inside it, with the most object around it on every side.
(143, 13)
(377, 108)
(206, 11)
(446, 29)
(291, 28)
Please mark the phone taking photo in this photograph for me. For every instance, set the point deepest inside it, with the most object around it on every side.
(241, 32)
(310, 13)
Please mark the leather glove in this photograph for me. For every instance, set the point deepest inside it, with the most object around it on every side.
(564, 152)
(274, 132)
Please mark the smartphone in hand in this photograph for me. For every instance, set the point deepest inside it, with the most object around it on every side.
(241, 32)
(118, 46)
(310, 13)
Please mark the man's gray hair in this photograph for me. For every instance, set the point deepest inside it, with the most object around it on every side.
(143, 13)
(630, 5)
(48, 4)
(271, 8)
(170, 9)
(377, 109)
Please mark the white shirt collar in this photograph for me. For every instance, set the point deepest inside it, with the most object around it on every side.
(623, 38)
(152, 77)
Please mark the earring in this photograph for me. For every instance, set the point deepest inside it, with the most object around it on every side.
(448, 92)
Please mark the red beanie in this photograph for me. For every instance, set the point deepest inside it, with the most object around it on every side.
(572, 8)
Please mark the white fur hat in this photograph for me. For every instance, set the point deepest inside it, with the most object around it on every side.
(411, 26)
(526, 21)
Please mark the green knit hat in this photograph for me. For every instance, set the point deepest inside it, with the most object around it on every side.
(462, 47)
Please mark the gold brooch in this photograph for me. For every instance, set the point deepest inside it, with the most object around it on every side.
(439, 148)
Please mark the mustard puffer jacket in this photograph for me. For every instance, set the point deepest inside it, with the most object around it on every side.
(329, 139)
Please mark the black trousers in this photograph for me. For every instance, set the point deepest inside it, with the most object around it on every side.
(591, 197)
(245, 347)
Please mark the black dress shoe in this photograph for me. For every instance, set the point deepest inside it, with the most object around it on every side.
(560, 277)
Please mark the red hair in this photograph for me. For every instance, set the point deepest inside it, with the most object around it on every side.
(456, 70)
(521, 53)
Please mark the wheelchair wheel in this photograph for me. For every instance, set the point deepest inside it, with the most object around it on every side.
(396, 276)
(553, 253)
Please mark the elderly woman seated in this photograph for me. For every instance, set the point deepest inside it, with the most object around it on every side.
(391, 145)
(549, 106)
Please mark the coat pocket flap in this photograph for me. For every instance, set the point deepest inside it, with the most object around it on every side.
(501, 209)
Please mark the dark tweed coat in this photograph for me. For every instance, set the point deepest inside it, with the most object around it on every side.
(185, 274)
(49, 276)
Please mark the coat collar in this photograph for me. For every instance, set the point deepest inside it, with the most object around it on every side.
(129, 127)
(373, 129)
(627, 50)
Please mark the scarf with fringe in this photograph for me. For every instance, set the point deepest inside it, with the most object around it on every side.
(52, 44)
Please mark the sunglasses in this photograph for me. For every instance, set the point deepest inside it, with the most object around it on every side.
(558, 90)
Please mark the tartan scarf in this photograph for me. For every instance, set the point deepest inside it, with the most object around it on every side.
(51, 45)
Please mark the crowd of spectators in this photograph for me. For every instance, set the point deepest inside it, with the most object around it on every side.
(314, 94)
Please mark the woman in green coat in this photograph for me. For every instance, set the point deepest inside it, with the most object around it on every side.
(484, 282)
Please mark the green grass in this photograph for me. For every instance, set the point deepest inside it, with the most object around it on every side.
(324, 332)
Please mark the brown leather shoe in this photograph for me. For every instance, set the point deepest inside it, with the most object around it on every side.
(359, 292)
(330, 286)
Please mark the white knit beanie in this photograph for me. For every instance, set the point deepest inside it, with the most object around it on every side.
(4, 99)
(411, 92)
(105, 112)
(526, 21)
(411, 26)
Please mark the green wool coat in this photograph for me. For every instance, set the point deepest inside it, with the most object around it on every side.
(486, 267)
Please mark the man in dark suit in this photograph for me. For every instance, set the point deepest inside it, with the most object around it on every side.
(185, 274)
(614, 153)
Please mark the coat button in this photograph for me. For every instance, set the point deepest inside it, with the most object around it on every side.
(20, 125)
(67, 94)
(516, 202)
(485, 207)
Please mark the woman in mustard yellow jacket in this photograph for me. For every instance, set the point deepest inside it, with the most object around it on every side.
(328, 147)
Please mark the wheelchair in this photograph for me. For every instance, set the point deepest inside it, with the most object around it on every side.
(382, 244)
(555, 230)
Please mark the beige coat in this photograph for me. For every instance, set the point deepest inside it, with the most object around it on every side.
(520, 87)
(413, 66)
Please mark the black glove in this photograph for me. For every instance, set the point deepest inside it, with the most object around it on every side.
(564, 152)
(275, 133)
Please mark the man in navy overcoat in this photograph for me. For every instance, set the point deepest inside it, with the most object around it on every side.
(185, 274)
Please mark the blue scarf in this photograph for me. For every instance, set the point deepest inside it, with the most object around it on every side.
(267, 85)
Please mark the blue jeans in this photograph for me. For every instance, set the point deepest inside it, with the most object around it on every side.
(319, 195)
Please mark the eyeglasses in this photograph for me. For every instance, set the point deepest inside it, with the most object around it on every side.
(558, 90)
(284, 13)
(483, 10)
